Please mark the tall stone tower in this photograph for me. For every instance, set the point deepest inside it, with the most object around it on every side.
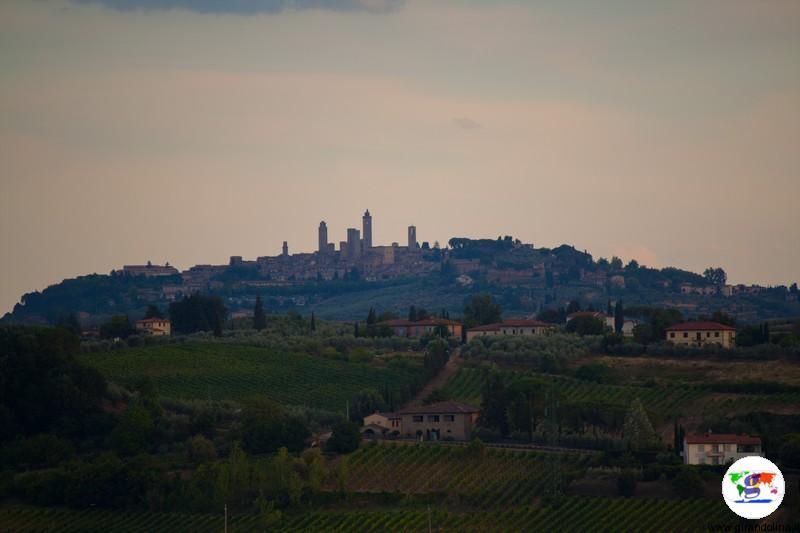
(412, 237)
(353, 243)
(285, 249)
(366, 227)
(323, 237)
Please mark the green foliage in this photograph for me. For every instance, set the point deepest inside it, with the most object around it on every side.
(266, 427)
(43, 387)
(135, 431)
(637, 430)
(198, 313)
(435, 396)
(715, 276)
(586, 325)
(481, 309)
(345, 438)
(153, 312)
(366, 402)
(200, 450)
(119, 327)
(259, 317)
(227, 371)
(688, 484)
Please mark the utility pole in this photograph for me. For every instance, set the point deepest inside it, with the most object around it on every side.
(347, 410)
(430, 525)
(226, 518)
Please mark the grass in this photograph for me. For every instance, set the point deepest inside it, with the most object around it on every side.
(217, 371)
(573, 514)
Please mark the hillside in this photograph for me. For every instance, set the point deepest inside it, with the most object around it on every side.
(524, 279)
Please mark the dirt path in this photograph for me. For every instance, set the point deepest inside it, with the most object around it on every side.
(439, 380)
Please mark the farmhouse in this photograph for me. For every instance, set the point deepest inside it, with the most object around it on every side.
(428, 326)
(380, 424)
(701, 334)
(438, 421)
(511, 327)
(719, 448)
(154, 326)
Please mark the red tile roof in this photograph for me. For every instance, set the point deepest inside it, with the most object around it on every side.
(400, 322)
(440, 408)
(700, 326)
(150, 320)
(722, 438)
(487, 327)
(525, 323)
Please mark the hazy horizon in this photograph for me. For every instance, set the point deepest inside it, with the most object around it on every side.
(666, 133)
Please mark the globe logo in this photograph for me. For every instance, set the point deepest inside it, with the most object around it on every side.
(753, 487)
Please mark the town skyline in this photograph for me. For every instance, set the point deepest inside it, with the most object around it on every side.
(633, 134)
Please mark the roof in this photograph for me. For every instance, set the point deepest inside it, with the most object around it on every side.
(525, 323)
(700, 326)
(487, 327)
(594, 314)
(385, 415)
(401, 322)
(440, 408)
(152, 319)
(513, 323)
(721, 438)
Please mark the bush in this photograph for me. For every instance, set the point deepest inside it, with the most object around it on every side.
(344, 439)
(200, 449)
(688, 484)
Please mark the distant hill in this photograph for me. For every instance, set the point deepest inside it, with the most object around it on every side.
(524, 279)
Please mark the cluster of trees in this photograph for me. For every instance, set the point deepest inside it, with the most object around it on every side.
(481, 309)
(43, 388)
(519, 409)
(198, 312)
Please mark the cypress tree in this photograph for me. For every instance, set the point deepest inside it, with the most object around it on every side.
(619, 317)
(259, 317)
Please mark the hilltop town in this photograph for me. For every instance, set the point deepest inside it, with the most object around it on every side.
(344, 281)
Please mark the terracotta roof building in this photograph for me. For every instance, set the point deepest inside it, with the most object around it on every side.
(518, 326)
(701, 334)
(409, 328)
(154, 326)
(439, 421)
(718, 448)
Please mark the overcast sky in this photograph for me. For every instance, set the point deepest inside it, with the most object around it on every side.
(191, 130)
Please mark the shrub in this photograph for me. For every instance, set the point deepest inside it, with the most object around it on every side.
(688, 484)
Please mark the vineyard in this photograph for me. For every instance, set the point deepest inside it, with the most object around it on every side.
(232, 372)
(467, 385)
(574, 514)
(496, 477)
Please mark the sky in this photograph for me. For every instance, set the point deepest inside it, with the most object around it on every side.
(192, 130)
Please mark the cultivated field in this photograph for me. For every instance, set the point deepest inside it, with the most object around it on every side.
(231, 372)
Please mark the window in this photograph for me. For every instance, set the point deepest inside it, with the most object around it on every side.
(417, 418)
(716, 333)
(433, 418)
(672, 334)
(449, 418)
(685, 335)
(708, 333)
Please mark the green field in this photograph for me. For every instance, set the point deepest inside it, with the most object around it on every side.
(574, 514)
(495, 478)
(218, 371)
(467, 385)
